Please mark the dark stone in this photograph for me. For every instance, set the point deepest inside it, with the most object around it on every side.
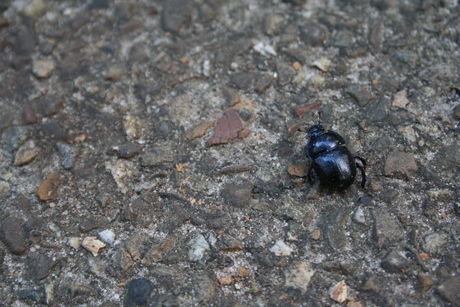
(79, 21)
(49, 105)
(237, 194)
(395, 263)
(376, 37)
(290, 34)
(29, 115)
(229, 50)
(343, 39)
(46, 48)
(208, 11)
(295, 2)
(313, 34)
(359, 93)
(389, 195)
(4, 4)
(139, 212)
(285, 73)
(448, 157)
(400, 117)
(98, 4)
(407, 57)
(449, 289)
(377, 110)
(12, 234)
(166, 129)
(366, 200)
(67, 154)
(387, 231)
(400, 165)
(88, 224)
(164, 300)
(217, 221)
(263, 82)
(243, 80)
(25, 37)
(205, 287)
(39, 266)
(456, 112)
(15, 137)
(231, 96)
(53, 131)
(245, 114)
(175, 14)
(32, 296)
(128, 150)
(6, 117)
(333, 226)
(137, 292)
(157, 155)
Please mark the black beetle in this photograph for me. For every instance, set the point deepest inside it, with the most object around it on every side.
(332, 162)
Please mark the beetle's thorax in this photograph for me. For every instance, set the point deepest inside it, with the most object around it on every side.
(321, 142)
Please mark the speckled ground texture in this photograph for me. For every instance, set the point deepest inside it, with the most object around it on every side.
(152, 153)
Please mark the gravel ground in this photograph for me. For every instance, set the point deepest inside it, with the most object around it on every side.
(150, 153)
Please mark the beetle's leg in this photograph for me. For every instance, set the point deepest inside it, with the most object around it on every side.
(310, 180)
(362, 169)
(362, 161)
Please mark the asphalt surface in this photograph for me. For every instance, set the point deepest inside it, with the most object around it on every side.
(152, 153)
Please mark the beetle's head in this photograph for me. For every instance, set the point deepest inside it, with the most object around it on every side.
(315, 130)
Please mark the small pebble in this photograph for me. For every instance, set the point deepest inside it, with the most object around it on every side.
(400, 100)
(281, 249)
(199, 130)
(35, 8)
(298, 170)
(39, 266)
(75, 242)
(67, 154)
(158, 155)
(265, 49)
(299, 276)
(433, 242)
(316, 234)
(339, 292)
(108, 236)
(29, 115)
(199, 247)
(26, 154)
(133, 127)
(323, 64)
(93, 245)
(5, 188)
(48, 190)
(359, 216)
(127, 150)
(394, 262)
(43, 68)
(297, 66)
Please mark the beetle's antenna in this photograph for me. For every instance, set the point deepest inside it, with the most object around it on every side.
(319, 116)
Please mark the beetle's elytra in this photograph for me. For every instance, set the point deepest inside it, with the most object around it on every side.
(332, 162)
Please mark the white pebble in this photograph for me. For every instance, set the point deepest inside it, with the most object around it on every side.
(281, 249)
(107, 236)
